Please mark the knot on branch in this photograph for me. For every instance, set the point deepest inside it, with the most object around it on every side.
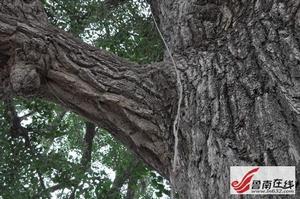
(24, 79)
(28, 62)
(33, 52)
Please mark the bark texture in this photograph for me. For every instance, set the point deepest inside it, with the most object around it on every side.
(239, 63)
(133, 102)
(239, 66)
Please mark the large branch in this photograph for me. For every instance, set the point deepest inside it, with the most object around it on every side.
(133, 102)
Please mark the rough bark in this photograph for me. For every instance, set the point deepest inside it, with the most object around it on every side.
(133, 102)
(239, 63)
(239, 66)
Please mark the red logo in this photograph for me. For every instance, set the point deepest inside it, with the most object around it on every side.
(244, 185)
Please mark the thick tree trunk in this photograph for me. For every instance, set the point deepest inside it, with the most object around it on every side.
(239, 67)
(239, 64)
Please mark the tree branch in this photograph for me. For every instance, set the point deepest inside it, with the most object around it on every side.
(131, 189)
(135, 103)
(88, 145)
(86, 159)
(23, 117)
(121, 177)
(16, 129)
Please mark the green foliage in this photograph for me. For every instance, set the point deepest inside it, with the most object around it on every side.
(51, 167)
(126, 30)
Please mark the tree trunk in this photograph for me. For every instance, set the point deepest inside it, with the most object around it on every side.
(131, 189)
(124, 175)
(238, 64)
